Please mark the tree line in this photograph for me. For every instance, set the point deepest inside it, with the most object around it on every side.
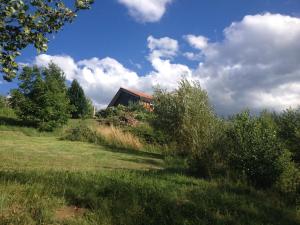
(42, 98)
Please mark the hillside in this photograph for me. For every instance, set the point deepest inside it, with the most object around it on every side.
(45, 180)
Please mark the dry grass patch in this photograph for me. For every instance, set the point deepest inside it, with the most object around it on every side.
(69, 212)
(118, 138)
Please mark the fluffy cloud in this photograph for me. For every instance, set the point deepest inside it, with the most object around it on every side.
(255, 66)
(199, 42)
(162, 48)
(146, 11)
(101, 78)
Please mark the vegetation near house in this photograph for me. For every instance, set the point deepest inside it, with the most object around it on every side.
(178, 164)
(186, 116)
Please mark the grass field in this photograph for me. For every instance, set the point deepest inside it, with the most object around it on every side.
(44, 180)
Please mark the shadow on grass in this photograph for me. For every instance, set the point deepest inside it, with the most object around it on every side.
(133, 152)
(9, 121)
(157, 197)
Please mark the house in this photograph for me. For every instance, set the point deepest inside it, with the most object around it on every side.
(125, 96)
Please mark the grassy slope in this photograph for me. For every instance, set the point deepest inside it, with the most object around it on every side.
(19, 151)
(41, 176)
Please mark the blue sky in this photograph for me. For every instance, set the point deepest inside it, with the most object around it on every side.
(118, 41)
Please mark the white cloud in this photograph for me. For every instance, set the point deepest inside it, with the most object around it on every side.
(193, 56)
(163, 47)
(255, 66)
(146, 10)
(101, 78)
(198, 42)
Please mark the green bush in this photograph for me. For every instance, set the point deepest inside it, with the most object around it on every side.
(3, 102)
(289, 181)
(148, 134)
(187, 118)
(288, 123)
(82, 133)
(254, 149)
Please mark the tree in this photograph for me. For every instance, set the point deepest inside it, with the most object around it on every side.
(80, 104)
(24, 22)
(41, 98)
(188, 118)
(253, 149)
(288, 123)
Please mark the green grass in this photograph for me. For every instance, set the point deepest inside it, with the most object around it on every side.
(44, 180)
(19, 151)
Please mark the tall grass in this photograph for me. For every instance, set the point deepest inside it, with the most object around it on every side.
(116, 137)
(104, 135)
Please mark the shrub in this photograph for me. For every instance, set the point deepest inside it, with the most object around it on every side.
(82, 133)
(3, 102)
(288, 123)
(289, 181)
(187, 118)
(148, 134)
(254, 149)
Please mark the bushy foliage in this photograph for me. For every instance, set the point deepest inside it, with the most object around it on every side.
(186, 116)
(122, 115)
(148, 134)
(80, 104)
(82, 133)
(288, 123)
(3, 102)
(41, 98)
(254, 149)
(289, 181)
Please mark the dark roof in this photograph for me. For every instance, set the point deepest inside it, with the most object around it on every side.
(138, 93)
(141, 95)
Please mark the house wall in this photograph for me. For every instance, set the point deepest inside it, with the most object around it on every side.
(124, 99)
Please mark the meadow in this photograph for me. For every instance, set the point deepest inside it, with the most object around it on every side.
(47, 180)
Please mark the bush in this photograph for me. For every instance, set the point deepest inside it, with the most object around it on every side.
(3, 102)
(187, 118)
(148, 134)
(288, 123)
(254, 150)
(82, 133)
(289, 181)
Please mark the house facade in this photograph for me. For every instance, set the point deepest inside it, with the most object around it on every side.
(125, 96)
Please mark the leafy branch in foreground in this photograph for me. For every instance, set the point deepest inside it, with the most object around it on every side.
(28, 22)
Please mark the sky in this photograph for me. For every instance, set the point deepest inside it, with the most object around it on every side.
(244, 53)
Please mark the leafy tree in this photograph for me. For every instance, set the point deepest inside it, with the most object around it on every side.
(253, 149)
(41, 98)
(28, 22)
(187, 117)
(80, 104)
(288, 123)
